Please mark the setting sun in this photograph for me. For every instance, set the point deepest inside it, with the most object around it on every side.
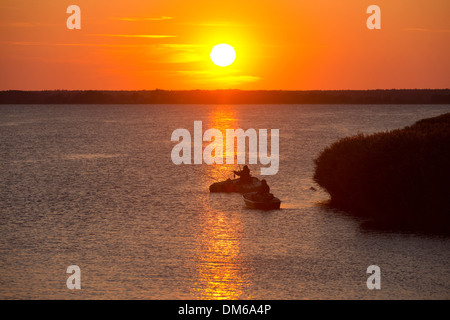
(223, 55)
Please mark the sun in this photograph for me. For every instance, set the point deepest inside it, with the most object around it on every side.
(223, 55)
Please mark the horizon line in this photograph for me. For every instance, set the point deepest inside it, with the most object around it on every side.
(229, 89)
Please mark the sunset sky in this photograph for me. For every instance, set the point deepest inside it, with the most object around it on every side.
(283, 44)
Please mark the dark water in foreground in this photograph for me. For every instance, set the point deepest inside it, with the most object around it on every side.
(94, 185)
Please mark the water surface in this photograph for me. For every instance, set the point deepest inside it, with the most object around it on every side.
(94, 185)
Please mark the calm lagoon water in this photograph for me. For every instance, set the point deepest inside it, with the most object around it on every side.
(94, 186)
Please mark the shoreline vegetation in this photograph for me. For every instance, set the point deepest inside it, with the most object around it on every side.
(231, 96)
(395, 180)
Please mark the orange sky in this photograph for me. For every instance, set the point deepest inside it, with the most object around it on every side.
(289, 45)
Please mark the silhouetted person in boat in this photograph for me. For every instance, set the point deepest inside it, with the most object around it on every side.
(264, 188)
(244, 175)
(263, 193)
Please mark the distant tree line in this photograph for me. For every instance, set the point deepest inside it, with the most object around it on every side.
(394, 96)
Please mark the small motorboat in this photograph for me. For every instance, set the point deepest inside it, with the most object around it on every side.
(233, 185)
(265, 201)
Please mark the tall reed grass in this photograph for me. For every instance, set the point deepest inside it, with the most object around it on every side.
(399, 178)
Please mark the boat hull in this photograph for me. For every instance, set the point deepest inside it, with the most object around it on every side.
(235, 186)
(272, 204)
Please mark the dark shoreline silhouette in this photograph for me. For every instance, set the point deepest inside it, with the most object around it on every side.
(393, 96)
(398, 180)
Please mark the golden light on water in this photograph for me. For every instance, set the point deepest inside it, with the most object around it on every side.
(221, 118)
(220, 268)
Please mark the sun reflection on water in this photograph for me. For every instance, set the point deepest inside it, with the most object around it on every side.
(220, 267)
(221, 118)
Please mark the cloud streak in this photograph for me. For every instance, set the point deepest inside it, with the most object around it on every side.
(178, 53)
(143, 19)
(216, 24)
(160, 53)
(213, 77)
(429, 30)
(148, 36)
(26, 24)
(173, 46)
